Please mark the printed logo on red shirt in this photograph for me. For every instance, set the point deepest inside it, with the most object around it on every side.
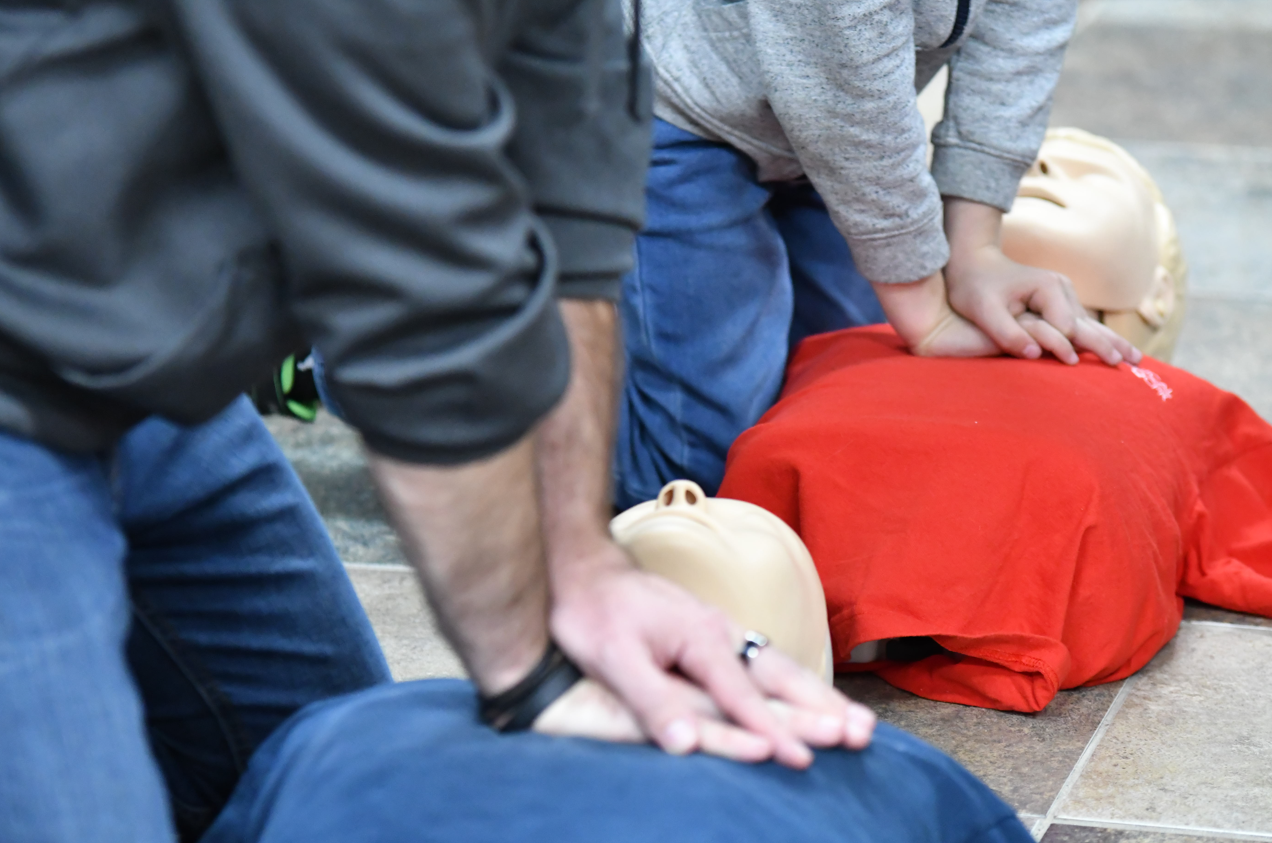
(1157, 384)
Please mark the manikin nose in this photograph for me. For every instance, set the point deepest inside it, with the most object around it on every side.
(1047, 168)
(681, 494)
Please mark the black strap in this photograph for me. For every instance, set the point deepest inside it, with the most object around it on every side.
(634, 68)
(960, 23)
(516, 709)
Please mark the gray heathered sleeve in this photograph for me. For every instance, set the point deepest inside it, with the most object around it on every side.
(840, 78)
(999, 98)
(375, 138)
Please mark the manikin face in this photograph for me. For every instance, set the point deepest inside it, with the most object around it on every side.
(1082, 211)
(736, 557)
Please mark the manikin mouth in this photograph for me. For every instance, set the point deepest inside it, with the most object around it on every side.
(1029, 190)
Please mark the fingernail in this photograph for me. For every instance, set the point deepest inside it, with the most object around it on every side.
(1117, 359)
(830, 725)
(679, 737)
(802, 755)
(861, 723)
(859, 732)
(1033, 352)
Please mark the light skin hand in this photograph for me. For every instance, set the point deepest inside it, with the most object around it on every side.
(921, 314)
(591, 709)
(659, 656)
(1024, 310)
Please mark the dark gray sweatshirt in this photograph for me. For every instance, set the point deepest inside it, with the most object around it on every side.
(189, 189)
(826, 89)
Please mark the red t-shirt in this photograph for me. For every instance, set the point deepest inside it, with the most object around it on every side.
(1042, 521)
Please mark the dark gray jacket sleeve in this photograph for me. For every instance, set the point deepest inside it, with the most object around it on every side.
(582, 140)
(999, 98)
(380, 143)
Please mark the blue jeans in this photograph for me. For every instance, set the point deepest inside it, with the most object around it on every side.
(410, 762)
(163, 608)
(730, 275)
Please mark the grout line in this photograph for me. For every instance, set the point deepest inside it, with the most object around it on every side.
(1227, 625)
(1041, 826)
(1210, 150)
(375, 566)
(1224, 296)
(1217, 833)
(1229, 297)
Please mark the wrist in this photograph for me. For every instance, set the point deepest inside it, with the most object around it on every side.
(504, 670)
(515, 708)
(971, 228)
(916, 309)
(572, 571)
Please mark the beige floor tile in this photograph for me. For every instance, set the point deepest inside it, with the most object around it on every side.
(1025, 758)
(412, 643)
(1191, 746)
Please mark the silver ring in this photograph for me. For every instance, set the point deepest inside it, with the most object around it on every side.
(752, 643)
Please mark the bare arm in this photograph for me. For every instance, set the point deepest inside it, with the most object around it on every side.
(472, 532)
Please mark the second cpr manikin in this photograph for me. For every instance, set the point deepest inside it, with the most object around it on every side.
(1086, 209)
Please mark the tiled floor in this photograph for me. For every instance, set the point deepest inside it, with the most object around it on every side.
(1181, 752)
(1177, 752)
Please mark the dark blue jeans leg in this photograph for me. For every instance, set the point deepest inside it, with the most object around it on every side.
(706, 316)
(830, 294)
(411, 763)
(242, 611)
(75, 765)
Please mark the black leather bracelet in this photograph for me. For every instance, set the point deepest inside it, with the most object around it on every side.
(516, 709)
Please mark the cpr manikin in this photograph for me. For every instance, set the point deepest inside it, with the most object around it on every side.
(737, 557)
(1087, 209)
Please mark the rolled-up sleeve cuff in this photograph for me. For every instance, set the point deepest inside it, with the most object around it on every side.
(458, 411)
(457, 394)
(978, 175)
(901, 258)
(593, 255)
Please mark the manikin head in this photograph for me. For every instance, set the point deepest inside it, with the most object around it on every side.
(737, 557)
(1087, 209)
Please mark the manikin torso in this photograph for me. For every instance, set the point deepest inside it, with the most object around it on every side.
(1085, 209)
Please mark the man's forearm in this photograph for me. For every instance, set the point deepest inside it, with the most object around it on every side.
(576, 441)
(472, 531)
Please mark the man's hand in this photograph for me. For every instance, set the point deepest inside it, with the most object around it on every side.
(1024, 310)
(662, 660)
(673, 663)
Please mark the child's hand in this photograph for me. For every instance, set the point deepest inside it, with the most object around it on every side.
(922, 316)
(995, 292)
